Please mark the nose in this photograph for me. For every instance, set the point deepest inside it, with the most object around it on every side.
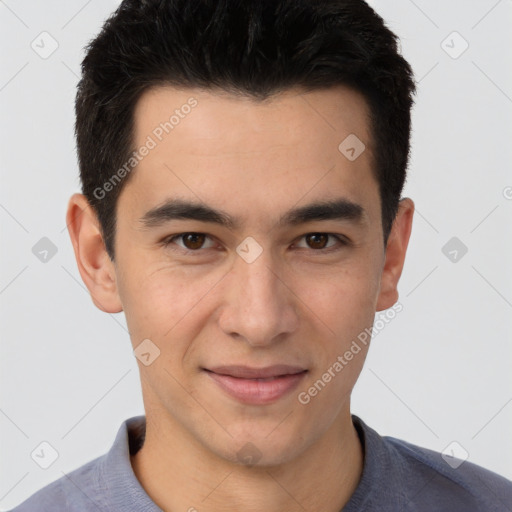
(259, 305)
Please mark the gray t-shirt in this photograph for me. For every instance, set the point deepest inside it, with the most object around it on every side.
(397, 476)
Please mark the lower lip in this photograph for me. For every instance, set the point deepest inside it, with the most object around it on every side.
(257, 392)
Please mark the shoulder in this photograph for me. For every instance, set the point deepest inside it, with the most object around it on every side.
(446, 481)
(105, 483)
(398, 475)
(75, 491)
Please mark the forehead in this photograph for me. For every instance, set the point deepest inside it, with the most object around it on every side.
(221, 117)
(222, 149)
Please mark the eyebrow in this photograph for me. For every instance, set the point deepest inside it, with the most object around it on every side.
(179, 209)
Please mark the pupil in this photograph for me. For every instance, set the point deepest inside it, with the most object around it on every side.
(193, 239)
(315, 238)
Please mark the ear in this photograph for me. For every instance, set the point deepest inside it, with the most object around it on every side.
(94, 264)
(396, 248)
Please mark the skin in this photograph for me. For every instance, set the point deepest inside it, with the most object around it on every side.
(292, 305)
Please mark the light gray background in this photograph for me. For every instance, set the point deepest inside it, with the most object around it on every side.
(439, 372)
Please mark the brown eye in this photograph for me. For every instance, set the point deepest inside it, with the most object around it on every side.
(193, 241)
(322, 242)
(189, 242)
(317, 240)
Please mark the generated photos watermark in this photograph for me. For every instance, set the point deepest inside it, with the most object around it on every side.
(158, 133)
(363, 338)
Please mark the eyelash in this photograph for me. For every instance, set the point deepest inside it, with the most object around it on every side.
(170, 240)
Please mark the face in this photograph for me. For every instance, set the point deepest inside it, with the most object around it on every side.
(250, 306)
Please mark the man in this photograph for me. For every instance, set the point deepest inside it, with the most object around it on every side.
(242, 164)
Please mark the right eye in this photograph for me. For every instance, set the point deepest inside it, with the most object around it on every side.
(192, 242)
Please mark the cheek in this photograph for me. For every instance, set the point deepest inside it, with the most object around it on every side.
(343, 301)
(347, 308)
(158, 302)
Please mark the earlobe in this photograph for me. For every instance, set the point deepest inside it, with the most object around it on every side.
(395, 255)
(94, 264)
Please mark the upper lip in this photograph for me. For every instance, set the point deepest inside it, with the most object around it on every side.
(247, 372)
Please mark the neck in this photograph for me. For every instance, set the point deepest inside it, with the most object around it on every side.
(180, 474)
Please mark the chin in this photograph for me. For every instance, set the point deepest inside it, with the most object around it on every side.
(259, 449)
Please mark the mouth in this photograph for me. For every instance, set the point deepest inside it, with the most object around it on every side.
(256, 386)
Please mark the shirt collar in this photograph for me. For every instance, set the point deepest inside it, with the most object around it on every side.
(122, 486)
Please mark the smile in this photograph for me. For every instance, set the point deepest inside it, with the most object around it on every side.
(257, 386)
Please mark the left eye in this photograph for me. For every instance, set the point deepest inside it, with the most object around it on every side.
(318, 241)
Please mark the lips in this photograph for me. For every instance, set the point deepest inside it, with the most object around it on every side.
(257, 386)
(246, 372)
